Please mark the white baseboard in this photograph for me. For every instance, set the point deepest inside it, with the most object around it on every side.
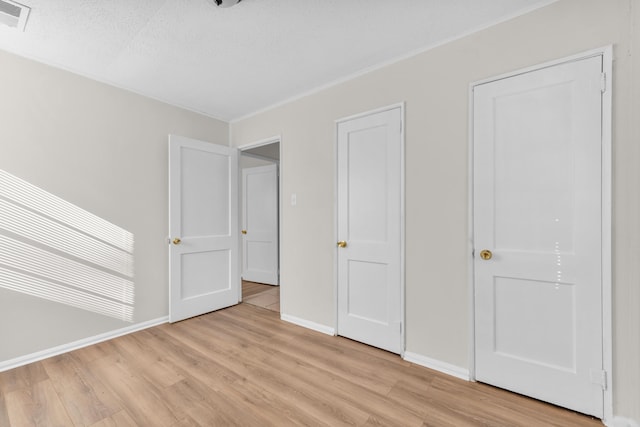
(437, 365)
(65, 348)
(622, 422)
(308, 324)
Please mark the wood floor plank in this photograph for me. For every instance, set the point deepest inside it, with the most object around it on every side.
(482, 402)
(139, 397)
(22, 377)
(205, 406)
(186, 421)
(153, 366)
(253, 288)
(188, 361)
(272, 408)
(352, 390)
(321, 352)
(37, 406)
(85, 398)
(4, 415)
(119, 419)
(417, 398)
(94, 352)
(310, 397)
(237, 357)
(252, 363)
(243, 366)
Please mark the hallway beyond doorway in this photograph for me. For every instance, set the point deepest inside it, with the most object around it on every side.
(258, 294)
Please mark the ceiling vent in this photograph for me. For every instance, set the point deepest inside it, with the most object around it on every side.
(13, 14)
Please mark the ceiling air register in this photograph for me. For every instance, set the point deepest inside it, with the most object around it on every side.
(13, 14)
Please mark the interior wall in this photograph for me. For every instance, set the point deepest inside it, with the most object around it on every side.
(104, 150)
(435, 87)
(252, 162)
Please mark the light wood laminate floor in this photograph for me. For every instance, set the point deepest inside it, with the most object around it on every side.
(262, 295)
(244, 366)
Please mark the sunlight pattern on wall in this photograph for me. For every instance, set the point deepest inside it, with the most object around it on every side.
(52, 249)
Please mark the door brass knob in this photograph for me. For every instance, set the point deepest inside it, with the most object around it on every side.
(342, 244)
(486, 254)
(244, 232)
(176, 241)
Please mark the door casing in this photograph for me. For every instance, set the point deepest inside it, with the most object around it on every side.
(400, 105)
(607, 314)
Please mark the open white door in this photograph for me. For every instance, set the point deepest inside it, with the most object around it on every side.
(260, 224)
(370, 229)
(203, 227)
(538, 234)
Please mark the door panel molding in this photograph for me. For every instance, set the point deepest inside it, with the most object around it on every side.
(606, 53)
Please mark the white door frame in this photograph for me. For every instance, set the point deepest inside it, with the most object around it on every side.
(400, 105)
(607, 313)
(256, 144)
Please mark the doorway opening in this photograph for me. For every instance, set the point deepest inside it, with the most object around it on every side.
(260, 223)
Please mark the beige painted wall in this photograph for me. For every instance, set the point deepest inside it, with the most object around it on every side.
(104, 150)
(252, 162)
(435, 87)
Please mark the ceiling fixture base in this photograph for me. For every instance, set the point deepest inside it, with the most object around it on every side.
(226, 3)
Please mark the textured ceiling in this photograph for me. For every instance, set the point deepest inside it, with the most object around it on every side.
(231, 62)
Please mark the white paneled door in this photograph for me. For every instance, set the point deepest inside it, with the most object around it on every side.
(538, 234)
(203, 227)
(369, 229)
(260, 224)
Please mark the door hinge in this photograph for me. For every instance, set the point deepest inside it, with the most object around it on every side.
(599, 377)
(603, 82)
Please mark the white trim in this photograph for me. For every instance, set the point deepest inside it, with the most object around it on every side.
(335, 224)
(374, 111)
(572, 58)
(607, 308)
(308, 324)
(259, 143)
(437, 365)
(403, 212)
(75, 345)
(394, 60)
(607, 222)
(622, 422)
(470, 243)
